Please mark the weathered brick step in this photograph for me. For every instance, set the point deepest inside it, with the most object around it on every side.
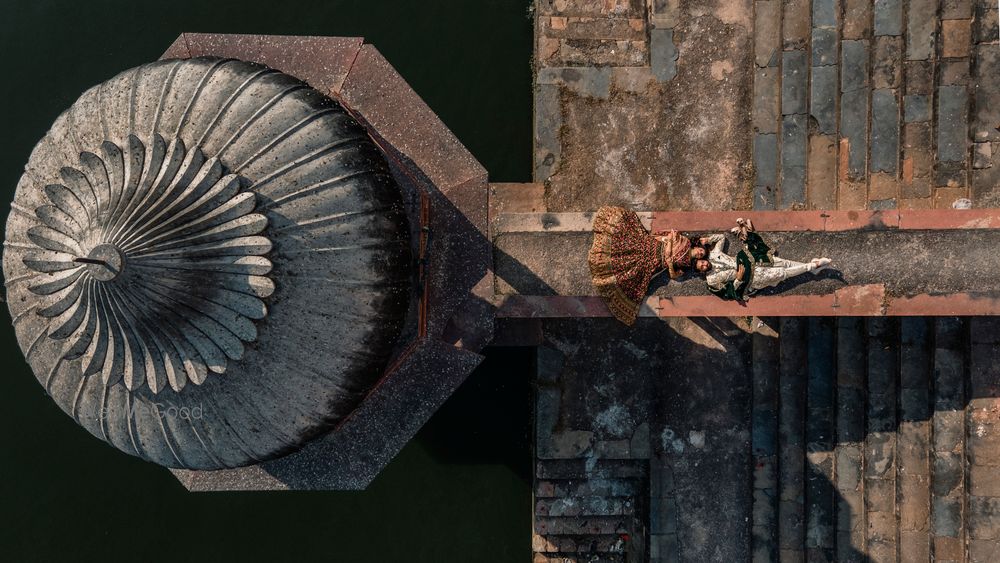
(850, 434)
(589, 469)
(582, 525)
(572, 444)
(983, 441)
(577, 558)
(545, 488)
(820, 537)
(948, 442)
(880, 462)
(765, 446)
(585, 506)
(606, 543)
(913, 437)
(791, 437)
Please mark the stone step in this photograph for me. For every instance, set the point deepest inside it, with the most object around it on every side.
(582, 525)
(948, 442)
(850, 435)
(766, 361)
(590, 469)
(545, 488)
(585, 506)
(577, 558)
(598, 543)
(820, 537)
(880, 441)
(791, 436)
(575, 444)
(983, 441)
(913, 437)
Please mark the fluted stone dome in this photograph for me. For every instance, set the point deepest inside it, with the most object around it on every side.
(207, 262)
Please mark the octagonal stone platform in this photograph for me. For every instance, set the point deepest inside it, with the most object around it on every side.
(451, 318)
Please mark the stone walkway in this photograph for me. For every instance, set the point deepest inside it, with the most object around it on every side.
(863, 257)
(814, 439)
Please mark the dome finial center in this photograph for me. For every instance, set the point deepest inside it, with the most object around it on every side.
(105, 262)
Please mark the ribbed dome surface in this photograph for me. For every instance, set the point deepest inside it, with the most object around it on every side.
(207, 262)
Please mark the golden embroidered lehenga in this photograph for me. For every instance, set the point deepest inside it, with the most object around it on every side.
(624, 258)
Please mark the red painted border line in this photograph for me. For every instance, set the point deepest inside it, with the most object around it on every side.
(851, 301)
(949, 219)
(861, 301)
(830, 221)
(957, 304)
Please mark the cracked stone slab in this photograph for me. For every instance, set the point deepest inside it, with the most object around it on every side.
(585, 81)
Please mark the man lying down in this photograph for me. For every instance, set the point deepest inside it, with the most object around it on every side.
(739, 277)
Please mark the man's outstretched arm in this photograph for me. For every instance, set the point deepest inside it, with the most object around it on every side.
(717, 241)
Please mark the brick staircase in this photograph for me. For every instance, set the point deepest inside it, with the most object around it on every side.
(590, 512)
(876, 439)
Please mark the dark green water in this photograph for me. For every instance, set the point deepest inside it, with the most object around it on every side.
(459, 492)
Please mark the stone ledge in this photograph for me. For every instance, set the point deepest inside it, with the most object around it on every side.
(350, 457)
(852, 301)
(294, 55)
(785, 221)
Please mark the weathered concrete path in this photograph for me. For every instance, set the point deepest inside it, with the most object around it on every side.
(907, 262)
(885, 263)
